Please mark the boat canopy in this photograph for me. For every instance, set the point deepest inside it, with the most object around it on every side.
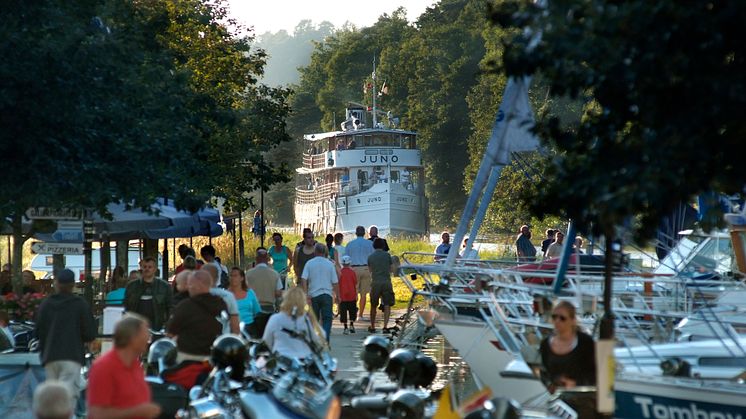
(322, 135)
(332, 134)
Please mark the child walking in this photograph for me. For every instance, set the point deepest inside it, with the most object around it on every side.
(347, 295)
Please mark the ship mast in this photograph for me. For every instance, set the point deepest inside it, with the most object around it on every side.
(373, 76)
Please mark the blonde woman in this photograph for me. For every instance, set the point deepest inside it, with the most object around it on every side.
(568, 354)
(569, 359)
(294, 317)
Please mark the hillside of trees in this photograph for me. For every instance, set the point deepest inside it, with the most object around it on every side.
(436, 70)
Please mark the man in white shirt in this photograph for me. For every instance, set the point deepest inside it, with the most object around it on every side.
(358, 250)
(320, 282)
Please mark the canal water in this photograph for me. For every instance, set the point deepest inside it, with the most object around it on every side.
(451, 367)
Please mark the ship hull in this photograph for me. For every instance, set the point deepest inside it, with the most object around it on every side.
(395, 210)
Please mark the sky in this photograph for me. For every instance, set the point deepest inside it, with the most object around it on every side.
(274, 15)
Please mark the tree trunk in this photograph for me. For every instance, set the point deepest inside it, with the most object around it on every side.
(105, 263)
(58, 264)
(150, 249)
(164, 273)
(17, 263)
(123, 252)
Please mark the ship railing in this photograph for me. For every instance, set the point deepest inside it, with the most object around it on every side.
(325, 191)
(314, 161)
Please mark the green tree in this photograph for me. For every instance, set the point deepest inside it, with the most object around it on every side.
(666, 115)
(666, 110)
(114, 101)
(445, 54)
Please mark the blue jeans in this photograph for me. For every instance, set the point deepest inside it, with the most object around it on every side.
(322, 308)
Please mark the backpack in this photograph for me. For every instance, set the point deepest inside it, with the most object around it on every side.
(224, 279)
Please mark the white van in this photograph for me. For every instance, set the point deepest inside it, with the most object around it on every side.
(76, 263)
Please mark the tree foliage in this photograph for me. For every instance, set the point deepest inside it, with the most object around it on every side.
(105, 101)
(666, 102)
(429, 68)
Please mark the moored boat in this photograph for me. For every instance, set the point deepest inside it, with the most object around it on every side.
(362, 176)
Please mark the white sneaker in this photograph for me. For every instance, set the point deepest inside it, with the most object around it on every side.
(346, 332)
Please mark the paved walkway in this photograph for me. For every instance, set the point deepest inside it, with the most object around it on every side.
(346, 348)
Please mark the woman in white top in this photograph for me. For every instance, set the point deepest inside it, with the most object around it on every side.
(292, 316)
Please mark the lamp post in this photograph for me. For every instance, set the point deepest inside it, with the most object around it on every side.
(261, 216)
(88, 232)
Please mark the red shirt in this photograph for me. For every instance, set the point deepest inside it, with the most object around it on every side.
(348, 285)
(112, 384)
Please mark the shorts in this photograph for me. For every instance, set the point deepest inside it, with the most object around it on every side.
(363, 279)
(347, 308)
(383, 291)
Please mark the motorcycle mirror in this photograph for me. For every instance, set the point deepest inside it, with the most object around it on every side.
(195, 392)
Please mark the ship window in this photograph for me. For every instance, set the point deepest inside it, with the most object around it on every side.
(408, 142)
(722, 361)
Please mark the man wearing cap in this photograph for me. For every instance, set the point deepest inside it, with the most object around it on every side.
(347, 295)
(64, 324)
(358, 250)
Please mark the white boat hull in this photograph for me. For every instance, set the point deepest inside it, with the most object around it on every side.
(392, 208)
(478, 346)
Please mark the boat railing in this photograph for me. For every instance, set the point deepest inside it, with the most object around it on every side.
(326, 191)
(427, 257)
(645, 312)
(314, 161)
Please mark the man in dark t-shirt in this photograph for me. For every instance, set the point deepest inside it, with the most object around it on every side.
(373, 235)
(549, 240)
(196, 321)
(379, 265)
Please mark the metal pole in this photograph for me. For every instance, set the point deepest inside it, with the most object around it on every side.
(606, 329)
(233, 233)
(559, 279)
(261, 218)
(497, 154)
(240, 241)
(491, 185)
(87, 262)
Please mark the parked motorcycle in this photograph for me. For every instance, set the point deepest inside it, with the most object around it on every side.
(276, 387)
(405, 396)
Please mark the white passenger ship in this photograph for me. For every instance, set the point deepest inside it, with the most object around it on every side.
(362, 175)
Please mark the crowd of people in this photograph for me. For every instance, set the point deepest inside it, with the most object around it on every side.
(204, 300)
(551, 246)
